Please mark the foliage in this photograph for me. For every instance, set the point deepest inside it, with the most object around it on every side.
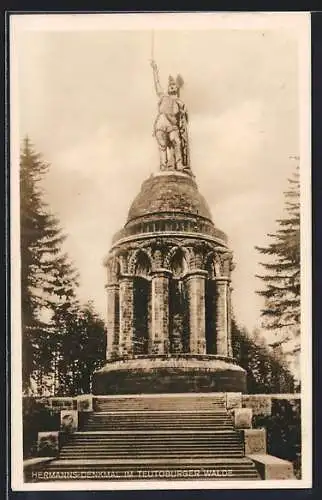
(265, 373)
(81, 349)
(36, 417)
(281, 279)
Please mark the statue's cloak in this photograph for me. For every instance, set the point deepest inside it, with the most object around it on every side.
(182, 124)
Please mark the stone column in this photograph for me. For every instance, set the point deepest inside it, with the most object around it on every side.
(222, 344)
(197, 310)
(229, 339)
(126, 314)
(112, 319)
(159, 334)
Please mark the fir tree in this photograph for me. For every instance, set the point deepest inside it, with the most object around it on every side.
(281, 312)
(48, 279)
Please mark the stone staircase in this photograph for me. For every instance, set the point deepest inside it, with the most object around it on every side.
(167, 437)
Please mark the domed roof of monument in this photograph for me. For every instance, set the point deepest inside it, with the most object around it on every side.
(169, 192)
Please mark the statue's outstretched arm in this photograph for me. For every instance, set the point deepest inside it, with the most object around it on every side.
(157, 84)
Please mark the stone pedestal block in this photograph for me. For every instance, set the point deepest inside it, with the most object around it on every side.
(48, 444)
(254, 441)
(68, 421)
(169, 374)
(233, 400)
(85, 403)
(270, 467)
(243, 418)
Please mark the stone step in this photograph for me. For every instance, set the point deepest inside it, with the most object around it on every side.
(152, 454)
(151, 439)
(157, 432)
(151, 427)
(154, 446)
(164, 420)
(148, 409)
(165, 432)
(165, 413)
(106, 442)
(156, 454)
(159, 403)
(124, 462)
(161, 417)
(157, 449)
(201, 423)
(156, 407)
(146, 445)
(158, 437)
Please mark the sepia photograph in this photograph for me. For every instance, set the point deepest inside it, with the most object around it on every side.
(161, 261)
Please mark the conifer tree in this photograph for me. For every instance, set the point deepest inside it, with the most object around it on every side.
(281, 280)
(48, 279)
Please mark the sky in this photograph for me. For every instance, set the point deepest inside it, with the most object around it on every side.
(86, 100)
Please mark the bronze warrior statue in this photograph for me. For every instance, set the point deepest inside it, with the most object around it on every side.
(170, 126)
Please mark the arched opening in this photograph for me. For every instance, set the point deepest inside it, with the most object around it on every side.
(142, 265)
(210, 305)
(117, 269)
(178, 264)
(141, 303)
(178, 305)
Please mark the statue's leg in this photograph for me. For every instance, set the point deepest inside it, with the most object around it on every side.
(176, 144)
(161, 138)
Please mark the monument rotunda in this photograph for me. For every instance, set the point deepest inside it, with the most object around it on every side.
(168, 280)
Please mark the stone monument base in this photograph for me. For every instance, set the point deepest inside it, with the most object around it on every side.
(169, 374)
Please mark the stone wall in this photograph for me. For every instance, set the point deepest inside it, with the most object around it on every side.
(262, 404)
